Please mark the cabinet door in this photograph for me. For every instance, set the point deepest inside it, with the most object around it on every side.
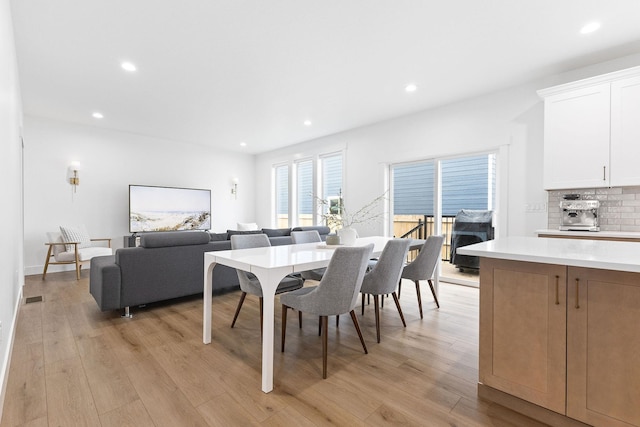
(625, 132)
(603, 347)
(523, 330)
(576, 138)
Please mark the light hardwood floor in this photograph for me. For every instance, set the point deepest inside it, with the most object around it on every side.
(74, 365)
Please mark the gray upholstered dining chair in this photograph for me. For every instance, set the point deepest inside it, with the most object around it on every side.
(423, 267)
(249, 283)
(309, 236)
(336, 293)
(383, 279)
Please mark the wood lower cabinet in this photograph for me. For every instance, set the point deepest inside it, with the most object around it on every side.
(563, 338)
(523, 330)
(603, 347)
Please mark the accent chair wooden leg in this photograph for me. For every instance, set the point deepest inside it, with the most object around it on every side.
(319, 325)
(377, 308)
(419, 297)
(397, 301)
(46, 263)
(235, 316)
(357, 325)
(433, 291)
(299, 319)
(325, 333)
(399, 287)
(78, 265)
(284, 326)
(363, 304)
(337, 321)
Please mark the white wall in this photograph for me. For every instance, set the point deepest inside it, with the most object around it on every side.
(110, 161)
(512, 119)
(11, 226)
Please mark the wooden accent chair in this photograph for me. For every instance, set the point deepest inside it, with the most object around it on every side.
(383, 279)
(72, 245)
(423, 267)
(336, 293)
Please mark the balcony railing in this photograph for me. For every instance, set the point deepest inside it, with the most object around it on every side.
(420, 227)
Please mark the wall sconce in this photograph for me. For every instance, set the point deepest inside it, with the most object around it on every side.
(234, 188)
(72, 172)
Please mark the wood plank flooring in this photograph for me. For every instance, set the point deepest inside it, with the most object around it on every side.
(74, 365)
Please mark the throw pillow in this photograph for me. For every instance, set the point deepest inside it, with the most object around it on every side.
(75, 234)
(247, 226)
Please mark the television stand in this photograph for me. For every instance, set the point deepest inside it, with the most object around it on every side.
(131, 241)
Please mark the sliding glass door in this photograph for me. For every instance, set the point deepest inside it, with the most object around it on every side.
(427, 196)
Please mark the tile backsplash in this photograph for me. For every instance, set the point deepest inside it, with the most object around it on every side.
(619, 207)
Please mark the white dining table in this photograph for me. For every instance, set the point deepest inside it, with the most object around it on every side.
(271, 265)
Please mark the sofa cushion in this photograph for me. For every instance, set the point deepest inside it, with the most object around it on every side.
(216, 237)
(276, 232)
(232, 232)
(247, 226)
(173, 238)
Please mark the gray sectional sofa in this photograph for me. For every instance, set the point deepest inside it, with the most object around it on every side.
(168, 265)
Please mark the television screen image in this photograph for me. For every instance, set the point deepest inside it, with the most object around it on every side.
(168, 209)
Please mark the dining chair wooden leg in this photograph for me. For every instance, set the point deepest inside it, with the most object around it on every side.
(377, 310)
(319, 325)
(419, 297)
(337, 320)
(397, 301)
(235, 316)
(299, 319)
(357, 325)
(325, 334)
(284, 326)
(433, 291)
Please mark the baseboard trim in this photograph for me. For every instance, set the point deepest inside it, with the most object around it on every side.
(7, 362)
(527, 408)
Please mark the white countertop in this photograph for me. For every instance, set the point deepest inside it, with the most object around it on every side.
(594, 234)
(608, 255)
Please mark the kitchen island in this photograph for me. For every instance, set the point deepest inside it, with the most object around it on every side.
(559, 328)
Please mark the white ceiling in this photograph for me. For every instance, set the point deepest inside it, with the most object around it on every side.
(223, 72)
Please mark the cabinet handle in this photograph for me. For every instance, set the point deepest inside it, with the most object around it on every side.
(604, 173)
(577, 292)
(557, 285)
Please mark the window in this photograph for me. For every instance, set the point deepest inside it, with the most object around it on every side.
(304, 193)
(331, 167)
(299, 184)
(282, 196)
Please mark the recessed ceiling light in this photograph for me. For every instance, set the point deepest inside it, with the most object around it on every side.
(307, 122)
(590, 28)
(97, 115)
(128, 66)
(243, 144)
(410, 87)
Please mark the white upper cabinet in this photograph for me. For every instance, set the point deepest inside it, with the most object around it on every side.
(592, 132)
(625, 132)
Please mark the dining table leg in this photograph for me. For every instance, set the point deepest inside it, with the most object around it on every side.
(207, 300)
(269, 281)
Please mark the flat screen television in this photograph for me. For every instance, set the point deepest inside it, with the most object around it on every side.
(168, 208)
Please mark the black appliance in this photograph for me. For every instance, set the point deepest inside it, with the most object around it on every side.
(470, 226)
